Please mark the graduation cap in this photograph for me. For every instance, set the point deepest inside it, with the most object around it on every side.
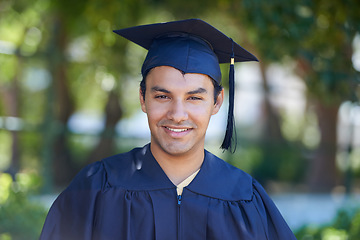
(192, 46)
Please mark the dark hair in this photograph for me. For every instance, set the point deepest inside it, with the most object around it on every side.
(217, 88)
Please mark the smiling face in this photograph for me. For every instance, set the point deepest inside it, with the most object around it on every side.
(179, 107)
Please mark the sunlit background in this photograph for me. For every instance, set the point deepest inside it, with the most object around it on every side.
(69, 97)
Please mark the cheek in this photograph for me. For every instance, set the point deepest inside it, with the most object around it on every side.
(201, 113)
(155, 112)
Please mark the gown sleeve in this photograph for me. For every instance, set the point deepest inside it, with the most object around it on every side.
(274, 224)
(71, 216)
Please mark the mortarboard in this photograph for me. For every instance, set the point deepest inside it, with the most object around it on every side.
(192, 46)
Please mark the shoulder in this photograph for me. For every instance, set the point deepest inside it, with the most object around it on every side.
(121, 164)
(96, 175)
(220, 179)
(136, 170)
(233, 184)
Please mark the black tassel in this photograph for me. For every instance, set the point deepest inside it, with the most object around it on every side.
(230, 139)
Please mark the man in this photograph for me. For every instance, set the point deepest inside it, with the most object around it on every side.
(171, 188)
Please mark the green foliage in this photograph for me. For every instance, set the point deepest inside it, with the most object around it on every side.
(317, 34)
(265, 161)
(189, 9)
(5, 149)
(280, 161)
(346, 226)
(246, 157)
(19, 217)
(7, 67)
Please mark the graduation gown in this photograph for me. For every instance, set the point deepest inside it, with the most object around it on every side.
(128, 196)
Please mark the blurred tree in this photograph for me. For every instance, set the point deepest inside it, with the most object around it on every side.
(120, 14)
(10, 96)
(62, 101)
(75, 40)
(113, 113)
(318, 35)
(76, 25)
(12, 70)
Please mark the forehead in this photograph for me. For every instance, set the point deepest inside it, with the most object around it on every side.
(170, 77)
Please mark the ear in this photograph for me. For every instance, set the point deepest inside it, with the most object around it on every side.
(142, 101)
(219, 102)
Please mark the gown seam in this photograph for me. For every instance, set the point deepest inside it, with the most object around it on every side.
(222, 199)
(140, 190)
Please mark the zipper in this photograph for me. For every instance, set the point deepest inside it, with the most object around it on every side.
(179, 198)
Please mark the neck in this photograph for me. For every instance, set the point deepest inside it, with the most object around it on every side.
(178, 167)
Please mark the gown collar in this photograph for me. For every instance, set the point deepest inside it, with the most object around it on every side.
(138, 170)
(187, 181)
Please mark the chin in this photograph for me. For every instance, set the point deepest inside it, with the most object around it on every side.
(177, 149)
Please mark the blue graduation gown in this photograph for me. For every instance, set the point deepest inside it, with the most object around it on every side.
(128, 196)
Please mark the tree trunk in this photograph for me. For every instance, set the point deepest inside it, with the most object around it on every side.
(10, 95)
(58, 166)
(323, 173)
(11, 104)
(272, 129)
(273, 143)
(63, 165)
(113, 114)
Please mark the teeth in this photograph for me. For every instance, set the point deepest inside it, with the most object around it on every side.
(177, 130)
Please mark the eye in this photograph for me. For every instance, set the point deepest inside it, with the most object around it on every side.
(161, 97)
(195, 98)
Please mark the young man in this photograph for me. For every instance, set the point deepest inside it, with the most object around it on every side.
(171, 188)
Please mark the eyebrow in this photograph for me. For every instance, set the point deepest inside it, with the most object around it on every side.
(196, 91)
(159, 89)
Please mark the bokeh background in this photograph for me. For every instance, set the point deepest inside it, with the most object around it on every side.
(69, 97)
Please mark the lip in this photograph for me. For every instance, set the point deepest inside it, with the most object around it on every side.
(177, 132)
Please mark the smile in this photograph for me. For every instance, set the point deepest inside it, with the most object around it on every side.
(177, 129)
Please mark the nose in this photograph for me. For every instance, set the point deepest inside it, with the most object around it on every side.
(178, 112)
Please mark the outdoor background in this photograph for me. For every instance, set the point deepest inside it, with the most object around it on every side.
(69, 97)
